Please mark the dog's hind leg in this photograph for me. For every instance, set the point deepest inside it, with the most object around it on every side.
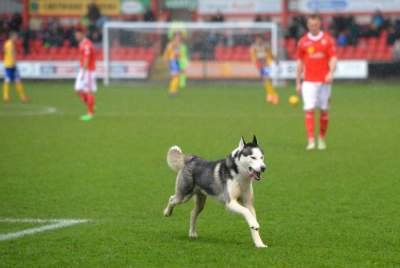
(200, 200)
(183, 192)
(174, 200)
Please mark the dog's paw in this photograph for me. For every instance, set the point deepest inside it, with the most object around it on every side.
(262, 245)
(167, 212)
(193, 235)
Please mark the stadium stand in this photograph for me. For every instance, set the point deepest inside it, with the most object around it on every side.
(373, 41)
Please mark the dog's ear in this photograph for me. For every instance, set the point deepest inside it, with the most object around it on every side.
(254, 140)
(242, 143)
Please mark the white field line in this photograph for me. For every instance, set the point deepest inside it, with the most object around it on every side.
(26, 110)
(54, 224)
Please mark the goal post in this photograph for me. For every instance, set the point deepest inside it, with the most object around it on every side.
(134, 50)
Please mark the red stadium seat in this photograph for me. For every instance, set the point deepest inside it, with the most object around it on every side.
(340, 52)
(360, 52)
(388, 54)
(348, 52)
(372, 42)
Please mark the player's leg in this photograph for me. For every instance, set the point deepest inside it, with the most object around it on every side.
(182, 73)
(82, 89)
(182, 79)
(309, 94)
(79, 85)
(19, 87)
(91, 93)
(90, 107)
(183, 62)
(90, 89)
(83, 96)
(271, 94)
(174, 83)
(6, 85)
(324, 96)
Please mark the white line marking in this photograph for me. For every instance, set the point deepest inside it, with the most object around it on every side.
(26, 110)
(54, 224)
(35, 220)
(198, 115)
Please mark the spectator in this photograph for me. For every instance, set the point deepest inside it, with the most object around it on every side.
(396, 50)
(392, 35)
(26, 35)
(15, 22)
(69, 35)
(297, 27)
(148, 15)
(93, 13)
(219, 17)
(342, 39)
(3, 26)
(260, 18)
(353, 32)
(94, 35)
(371, 31)
(378, 20)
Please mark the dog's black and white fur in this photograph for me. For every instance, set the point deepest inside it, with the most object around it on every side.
(228, 180)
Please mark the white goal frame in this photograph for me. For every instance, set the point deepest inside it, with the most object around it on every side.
(156, 26)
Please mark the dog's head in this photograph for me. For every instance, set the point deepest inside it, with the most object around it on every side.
(249, 158)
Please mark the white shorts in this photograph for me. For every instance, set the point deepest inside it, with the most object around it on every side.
(315, 95)
(86, 81)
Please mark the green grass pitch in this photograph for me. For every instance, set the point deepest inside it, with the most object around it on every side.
(336, 208)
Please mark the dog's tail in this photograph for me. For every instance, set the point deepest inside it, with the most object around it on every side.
(175, 158)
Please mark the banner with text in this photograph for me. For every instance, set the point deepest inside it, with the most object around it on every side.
(351, 69)
(239, 6)
(80, 7)
(347, 6)
(69, 69)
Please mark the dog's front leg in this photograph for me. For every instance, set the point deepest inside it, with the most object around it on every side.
(247, 200)
(255, 234)
(234, 206)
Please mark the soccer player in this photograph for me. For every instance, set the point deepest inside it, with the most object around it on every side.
(261, 56)
(85, 84)
(183, 63)
(172, 54)
(179, 27)
(317, 62)
(11, 73)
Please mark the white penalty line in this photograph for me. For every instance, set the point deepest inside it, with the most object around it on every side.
(54, 224)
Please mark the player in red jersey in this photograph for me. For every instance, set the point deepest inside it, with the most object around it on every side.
(85, 84)
(316, 63)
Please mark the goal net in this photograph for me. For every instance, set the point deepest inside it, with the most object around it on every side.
(207, 51)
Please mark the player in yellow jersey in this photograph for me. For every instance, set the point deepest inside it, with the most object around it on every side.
(172, 55)
(11, 73)
(261, 56)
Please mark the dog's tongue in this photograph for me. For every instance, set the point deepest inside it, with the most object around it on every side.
(254, 175)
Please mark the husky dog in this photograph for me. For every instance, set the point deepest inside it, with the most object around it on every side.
(228, 180)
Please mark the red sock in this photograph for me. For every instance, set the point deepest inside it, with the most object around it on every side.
(83, 96)
(90, 103)
(309, 121)
(323, 123)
